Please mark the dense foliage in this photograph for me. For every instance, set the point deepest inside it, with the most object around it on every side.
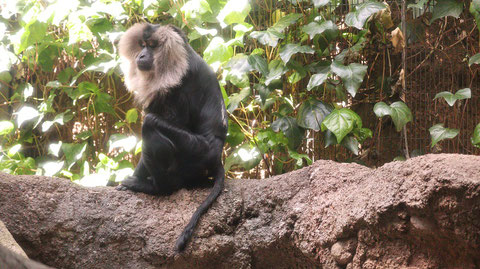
(288, 71)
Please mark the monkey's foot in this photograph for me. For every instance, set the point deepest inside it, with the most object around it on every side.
(136, 184)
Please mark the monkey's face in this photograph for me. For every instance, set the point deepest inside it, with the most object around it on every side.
(145, 57)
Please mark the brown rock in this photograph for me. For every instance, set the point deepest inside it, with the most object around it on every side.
(422, 213)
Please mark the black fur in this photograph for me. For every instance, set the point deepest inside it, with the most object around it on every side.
(183, 135)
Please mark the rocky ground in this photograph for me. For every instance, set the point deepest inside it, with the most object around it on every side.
(421, 213)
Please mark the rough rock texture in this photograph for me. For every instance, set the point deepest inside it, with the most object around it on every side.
(422, 213)
(6, 240)
(13, 260)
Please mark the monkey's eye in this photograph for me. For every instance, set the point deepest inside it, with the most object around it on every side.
(141, 43)
(152, 44)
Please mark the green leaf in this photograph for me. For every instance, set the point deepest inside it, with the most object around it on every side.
(73, 152)
(235, 11)
(351, 143)
(341, 122)
(351, 75)
(217, 52)
(276, 69)
(320, 3)
(32, 34)
(269, 37)
(299, 158)
(475, 59)
(399, 112)
(6, 127)
(54, 148)
(102, 104)
(362, 134)
(445, 8)
(420, 4)
(119, 141)
(285, 21)
(235, 136)
(363, 11)
(288, 50)
(311, 114)
(451, 98)
(131, 116)
(258, 63)
(475, 11)
(290, 129)
(26, 114)
(439, 133)
(315, 28)
(246, 157)
(476, 136)
(319, 78)
(236, 98)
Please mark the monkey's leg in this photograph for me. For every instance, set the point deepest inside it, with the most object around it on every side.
(159, 158)
(140, 181)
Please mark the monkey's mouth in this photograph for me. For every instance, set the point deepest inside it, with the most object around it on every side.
(142, 66)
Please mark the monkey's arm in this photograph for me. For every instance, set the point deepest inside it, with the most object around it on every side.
(183, 139)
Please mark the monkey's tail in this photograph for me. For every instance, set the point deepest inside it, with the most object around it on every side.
(188, 231)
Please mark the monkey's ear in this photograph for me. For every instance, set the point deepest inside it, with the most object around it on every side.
(179, 32)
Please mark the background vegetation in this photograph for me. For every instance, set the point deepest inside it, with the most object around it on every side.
(292, 73)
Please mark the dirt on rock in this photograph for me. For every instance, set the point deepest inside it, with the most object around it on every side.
(421, 213)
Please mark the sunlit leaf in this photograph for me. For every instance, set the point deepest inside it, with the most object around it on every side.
(236, 98)
(269, 37)
(246, 157)
(54, 148)
(234, 11)
(362, 12)
(320, 3)
(318, 78)
(351, 143)
(132, 115)
(25, 114)
(118, 141)
(439, 133)
(420, 4)
(6, 127)
(217, 52)
(235, 136)
(52, 168)
(258, 63)
(399, 112)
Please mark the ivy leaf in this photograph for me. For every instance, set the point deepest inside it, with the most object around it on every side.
(73, 152)
(363, 11)
(246, 157)
(362, 134)
(132, 115)
(476, 136)
(315, 28)
(258, 63)
(102, 103)
(439, 133)
(399, 112)
(445, 8)
(236, 98)
(311, 114)
(275, 70)
(235, 136)
(320, 3)
(290, 129)
(269, 37)
(217, 52)
(419, 5)
(351, 75)
(285, 21)
(26, 114)
(451, 98)
(6, 127)
(290, 49)
(319, 78)
(475, 59)
(235, 11)
(341, 122)
(351, 143)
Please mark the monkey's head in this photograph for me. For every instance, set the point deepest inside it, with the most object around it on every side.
(154, 58)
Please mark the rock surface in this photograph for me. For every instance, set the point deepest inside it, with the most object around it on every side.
(6, 240)
(422, 213)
